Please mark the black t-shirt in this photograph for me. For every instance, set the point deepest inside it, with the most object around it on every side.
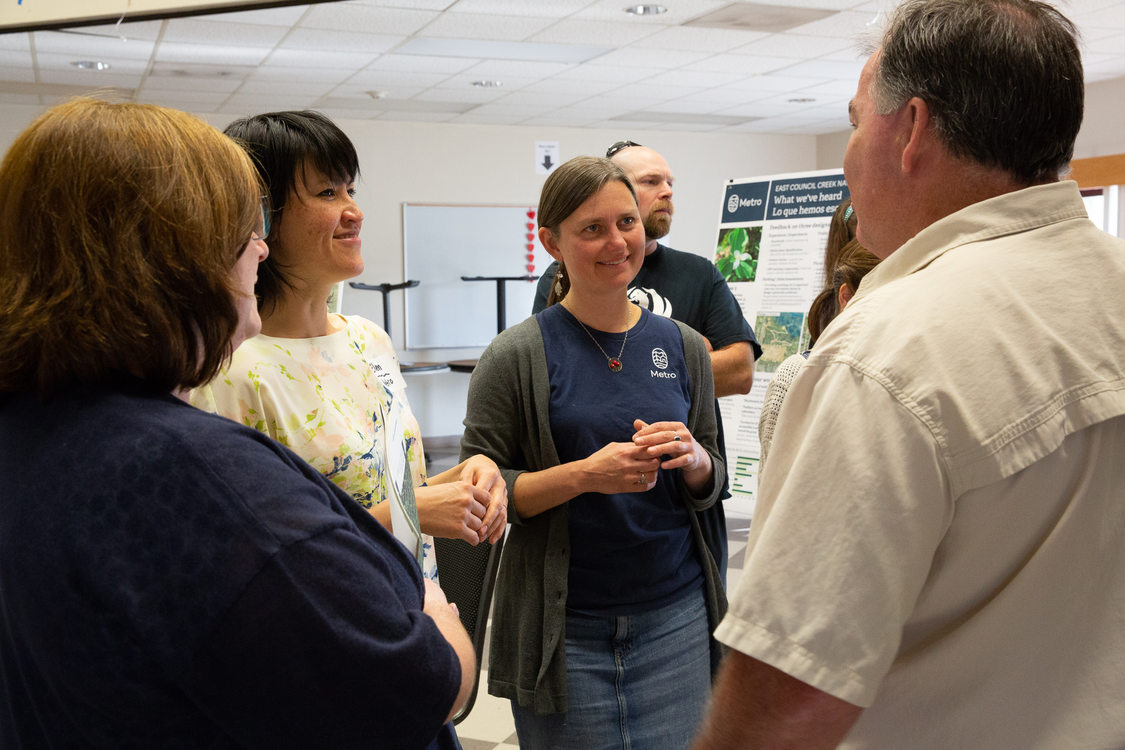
(171, 579)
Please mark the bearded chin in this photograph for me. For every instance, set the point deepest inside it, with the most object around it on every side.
(657, 226)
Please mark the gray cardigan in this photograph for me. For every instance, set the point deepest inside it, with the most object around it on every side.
(507, 420)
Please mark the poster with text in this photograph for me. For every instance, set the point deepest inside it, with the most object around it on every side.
(770, 249)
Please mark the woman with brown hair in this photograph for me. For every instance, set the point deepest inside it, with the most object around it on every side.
(601, 418)
(169, 578)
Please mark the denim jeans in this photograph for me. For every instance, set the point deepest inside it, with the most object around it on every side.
(635, 682)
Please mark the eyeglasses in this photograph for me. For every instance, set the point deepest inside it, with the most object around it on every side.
(265, 210)
(619, 146)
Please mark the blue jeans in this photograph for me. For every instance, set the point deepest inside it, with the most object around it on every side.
(635, 682)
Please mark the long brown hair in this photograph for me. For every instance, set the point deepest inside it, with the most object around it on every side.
(119, 227)
(853, 263)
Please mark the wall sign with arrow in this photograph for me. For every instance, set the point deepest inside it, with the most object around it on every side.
(546, 156)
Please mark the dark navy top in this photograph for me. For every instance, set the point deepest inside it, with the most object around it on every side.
(171, 579)
(630, 552)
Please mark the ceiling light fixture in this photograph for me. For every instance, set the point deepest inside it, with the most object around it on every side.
(646, 10)
(488, 84)
(377, 94)
(801, 100)
(90, 65)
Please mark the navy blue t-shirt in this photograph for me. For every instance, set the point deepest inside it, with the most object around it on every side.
(172, 579)
(630, 552)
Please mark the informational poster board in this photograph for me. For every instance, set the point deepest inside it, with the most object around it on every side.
(770, 249)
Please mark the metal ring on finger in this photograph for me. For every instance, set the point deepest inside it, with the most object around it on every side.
(676, 436)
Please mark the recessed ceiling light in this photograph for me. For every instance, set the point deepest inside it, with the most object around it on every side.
(90, 65)
(646, 10)
(801, 100)
(377, 94)
(488, 84)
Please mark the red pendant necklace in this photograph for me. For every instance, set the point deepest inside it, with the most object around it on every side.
(614, 362)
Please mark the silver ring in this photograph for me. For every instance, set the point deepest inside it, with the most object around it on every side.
(676, 436)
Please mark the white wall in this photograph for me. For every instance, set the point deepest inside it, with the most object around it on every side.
(415, 162)
(425, 162)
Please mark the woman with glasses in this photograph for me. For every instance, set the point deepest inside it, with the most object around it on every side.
(328, 385)
(601, 416)
(168, 578)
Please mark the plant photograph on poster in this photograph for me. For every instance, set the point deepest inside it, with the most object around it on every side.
(736, 255)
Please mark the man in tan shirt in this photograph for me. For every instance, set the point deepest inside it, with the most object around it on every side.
(937, 560)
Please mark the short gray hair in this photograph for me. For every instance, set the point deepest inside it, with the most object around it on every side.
(1002, 80)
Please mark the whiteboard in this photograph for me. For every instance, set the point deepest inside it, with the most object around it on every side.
(443, 242)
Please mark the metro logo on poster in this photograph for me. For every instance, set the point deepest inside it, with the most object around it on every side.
(745, 202)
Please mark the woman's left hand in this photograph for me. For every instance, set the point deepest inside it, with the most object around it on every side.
(482, 472)
(673, 439)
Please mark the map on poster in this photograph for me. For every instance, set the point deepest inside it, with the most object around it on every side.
(770, 249)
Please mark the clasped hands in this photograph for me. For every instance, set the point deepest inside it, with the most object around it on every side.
(632, 467)
(469, 502)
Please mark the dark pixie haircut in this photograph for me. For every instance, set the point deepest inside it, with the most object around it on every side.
(120, 225)
(282, 145)
(564, 191)
(1002, 79)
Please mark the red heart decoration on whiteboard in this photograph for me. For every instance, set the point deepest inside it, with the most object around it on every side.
(530, 226)
(531, 213)
(530, 268)
(531, 257)
(530, 237)
(531, 247)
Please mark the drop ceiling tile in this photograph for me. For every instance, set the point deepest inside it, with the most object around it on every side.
(15, 41)
(566, 87)
(22, 73)
(102, 81)
(182, 52)
(16, 59)
(207, 100)
(250, 104)
(191, 30)
(695, 79)
(697, 39)
(636, 57)
(307, 89)
(678, 12)
(473, 94)
(598, 73)
(770, 83)
(380, 79)
(62, 63)
(652, 92)
(467, 26)
(148, 30)
(282, 73)
(84, 46)
(339, 41)
(802, 46)
(295, 58)
(366, 18)
(552, 9)
(516, 69)
(286, 16)
(844, 25)
(572, 31)
(474, 118)
(537, 102)
(422, 63)
(745, 64)
(419, 116)
(337, 114)
(825, 69)
(209, 85)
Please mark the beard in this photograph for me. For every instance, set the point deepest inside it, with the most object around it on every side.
(656, 224)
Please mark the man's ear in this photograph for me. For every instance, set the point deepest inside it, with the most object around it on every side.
(550, 244)
(916, 114)
(844, 296)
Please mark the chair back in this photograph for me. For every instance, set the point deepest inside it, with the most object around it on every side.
(467, 574)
